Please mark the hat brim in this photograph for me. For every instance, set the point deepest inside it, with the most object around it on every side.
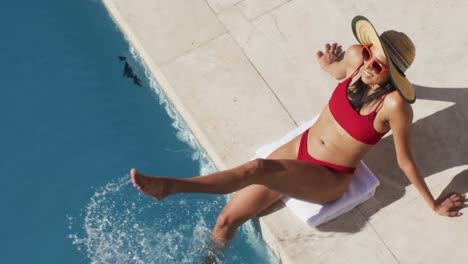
(365, 33)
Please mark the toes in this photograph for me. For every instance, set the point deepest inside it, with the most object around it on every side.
(136, 181)
(133, 180)
(133, 176)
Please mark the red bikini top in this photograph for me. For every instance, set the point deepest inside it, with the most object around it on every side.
(360, 127)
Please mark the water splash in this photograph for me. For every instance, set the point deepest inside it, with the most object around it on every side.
(123, 226)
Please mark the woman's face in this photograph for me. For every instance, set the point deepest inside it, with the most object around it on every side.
(369, 76)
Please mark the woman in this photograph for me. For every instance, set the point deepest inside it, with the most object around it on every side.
(318, 165)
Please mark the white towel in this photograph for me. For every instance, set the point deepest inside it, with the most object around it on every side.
(362, 187)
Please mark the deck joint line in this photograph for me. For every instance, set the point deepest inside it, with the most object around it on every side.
(269, 87)
(381, 239)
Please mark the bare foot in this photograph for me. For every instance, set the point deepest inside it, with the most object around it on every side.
(158, 187)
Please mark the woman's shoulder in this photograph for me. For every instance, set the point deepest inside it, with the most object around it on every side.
(396, 105)
(353, 58)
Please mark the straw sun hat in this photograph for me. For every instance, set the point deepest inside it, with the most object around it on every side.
(398, 49)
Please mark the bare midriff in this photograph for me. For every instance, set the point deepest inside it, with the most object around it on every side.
(328, 141)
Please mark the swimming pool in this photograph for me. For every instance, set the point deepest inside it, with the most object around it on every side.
(73, 126)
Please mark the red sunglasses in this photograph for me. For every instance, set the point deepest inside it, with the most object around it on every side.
(377, 66)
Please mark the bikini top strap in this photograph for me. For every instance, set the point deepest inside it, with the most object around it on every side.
(380, 103)
(355, 72)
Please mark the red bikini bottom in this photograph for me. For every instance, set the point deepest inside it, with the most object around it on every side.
(305, 156)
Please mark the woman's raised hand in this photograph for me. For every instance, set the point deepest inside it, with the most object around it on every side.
(451, 205)
(332, 53)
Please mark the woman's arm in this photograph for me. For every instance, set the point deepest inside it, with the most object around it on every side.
(400, 118)
(338, 63)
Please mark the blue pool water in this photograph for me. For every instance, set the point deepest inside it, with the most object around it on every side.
(72, 127)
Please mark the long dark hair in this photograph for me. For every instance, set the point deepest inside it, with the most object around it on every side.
(358, 94)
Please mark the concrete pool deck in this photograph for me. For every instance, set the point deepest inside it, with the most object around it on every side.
(243, 73)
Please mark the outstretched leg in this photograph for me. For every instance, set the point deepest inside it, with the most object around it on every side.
(297, 179)
(221, 182)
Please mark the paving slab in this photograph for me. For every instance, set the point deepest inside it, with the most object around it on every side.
(344, 239)
(223, 91)
(171, 28)
(293, 92)
(243, 73)
(421, 238)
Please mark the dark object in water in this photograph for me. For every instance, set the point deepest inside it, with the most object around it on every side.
(128, 72)
(136, 80)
